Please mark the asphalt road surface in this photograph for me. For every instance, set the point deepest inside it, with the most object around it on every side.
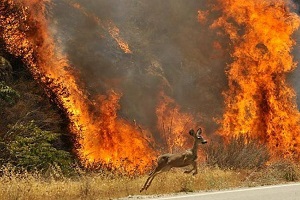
(277, 192)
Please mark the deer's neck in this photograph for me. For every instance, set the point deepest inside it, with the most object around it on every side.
(195, 148)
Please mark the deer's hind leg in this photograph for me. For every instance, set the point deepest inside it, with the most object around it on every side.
(161, 167)
(150, 178)
(165, 169)
(146, 183)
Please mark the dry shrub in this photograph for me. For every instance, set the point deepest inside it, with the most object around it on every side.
(35, 186)
(240, 153)
(107, 185)
(175, 181)
(276, 172)
(286, 170)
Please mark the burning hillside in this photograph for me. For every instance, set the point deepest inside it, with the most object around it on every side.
(102, 136)
(132, 84)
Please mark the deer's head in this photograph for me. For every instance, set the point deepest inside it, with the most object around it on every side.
(197, 135)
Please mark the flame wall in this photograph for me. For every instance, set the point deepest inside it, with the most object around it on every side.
(101, 136)
(110, 88)
(133, 77)
(170, 51)
(260, 102)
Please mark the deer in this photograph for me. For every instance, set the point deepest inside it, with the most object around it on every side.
(167, 161)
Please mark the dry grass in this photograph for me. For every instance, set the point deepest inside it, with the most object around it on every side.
(239, 164)
(239, 153)
(108, 186)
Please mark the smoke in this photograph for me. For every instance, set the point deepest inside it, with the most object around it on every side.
(152, 56)
(294, 76)
(171, 51)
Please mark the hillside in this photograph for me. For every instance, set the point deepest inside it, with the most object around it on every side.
(26, 110)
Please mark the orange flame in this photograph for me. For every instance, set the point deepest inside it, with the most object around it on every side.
(115, 33)
(103, 137)
(173, 124)
(259, 102)
(202, 16)
(108, 25)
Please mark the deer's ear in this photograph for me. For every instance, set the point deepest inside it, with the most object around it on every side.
(199, 131)
(192, 132)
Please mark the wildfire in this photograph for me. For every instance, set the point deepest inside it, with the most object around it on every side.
(202, 16)
(115, 33)
(108, 25)
(102, 137)
(259, 101)
(173, 124)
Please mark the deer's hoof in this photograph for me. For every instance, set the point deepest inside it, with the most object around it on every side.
(195, 173)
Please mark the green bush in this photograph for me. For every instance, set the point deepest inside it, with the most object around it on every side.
(7, 93)
(30, 148)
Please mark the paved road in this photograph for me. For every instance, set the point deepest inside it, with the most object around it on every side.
(278, 192)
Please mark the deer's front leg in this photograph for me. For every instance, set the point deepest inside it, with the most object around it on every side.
(195, 168)
(189, 171)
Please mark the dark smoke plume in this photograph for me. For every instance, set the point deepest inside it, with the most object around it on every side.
(171, 51)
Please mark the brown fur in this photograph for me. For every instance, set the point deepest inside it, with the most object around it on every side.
(166, 161)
